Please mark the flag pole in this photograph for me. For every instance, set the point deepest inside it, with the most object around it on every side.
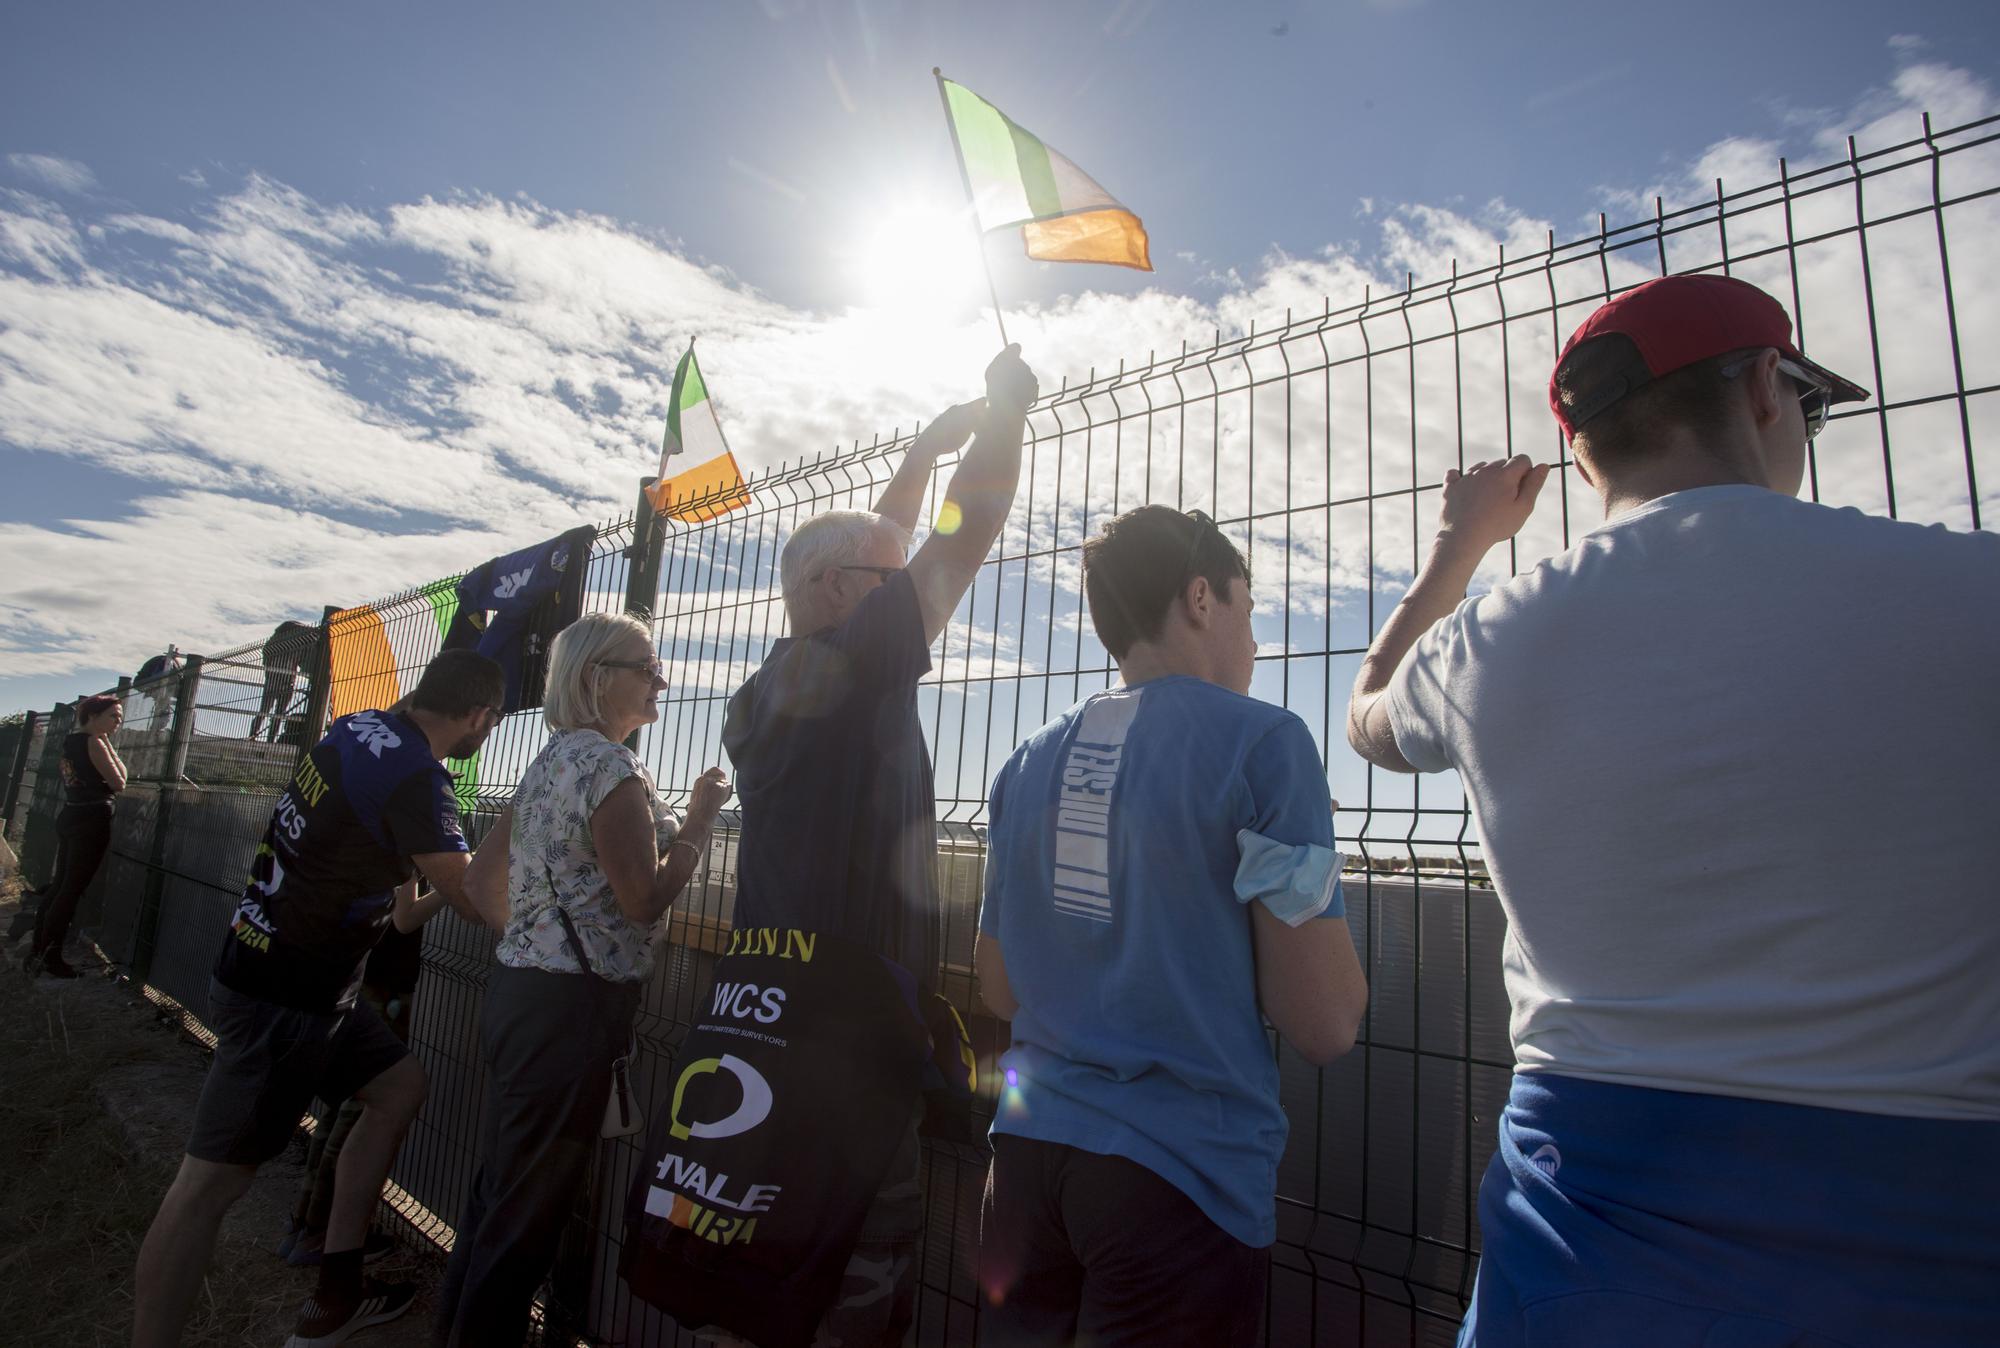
(971, 205)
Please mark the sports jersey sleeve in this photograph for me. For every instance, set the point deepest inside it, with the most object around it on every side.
(421, 816)
(1421, 712)
(1286, 856)
(884, 636)
(990, 891)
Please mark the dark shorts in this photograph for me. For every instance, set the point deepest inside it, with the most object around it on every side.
(1078, 1247)
(271, 1061)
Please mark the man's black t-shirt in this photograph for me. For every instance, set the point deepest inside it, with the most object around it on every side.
(366, 799)
(839, 817)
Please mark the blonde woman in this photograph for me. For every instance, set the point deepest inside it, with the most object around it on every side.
(593, 858)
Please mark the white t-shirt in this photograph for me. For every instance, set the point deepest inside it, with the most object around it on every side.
(1732, 759)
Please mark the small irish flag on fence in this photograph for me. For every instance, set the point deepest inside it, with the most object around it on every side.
(712, 485)
(1016, 180)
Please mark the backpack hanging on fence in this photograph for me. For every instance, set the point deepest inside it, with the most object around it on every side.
(789, 1100)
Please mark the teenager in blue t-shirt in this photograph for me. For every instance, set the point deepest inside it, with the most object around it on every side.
(1161, 879)
(367, 808)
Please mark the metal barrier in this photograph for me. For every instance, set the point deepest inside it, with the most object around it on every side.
(24, 762)
(1319, 443)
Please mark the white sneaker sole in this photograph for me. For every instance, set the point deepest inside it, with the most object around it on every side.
(374, 1311)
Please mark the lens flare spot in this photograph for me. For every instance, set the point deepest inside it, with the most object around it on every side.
(949, 518)
(1013, 1079)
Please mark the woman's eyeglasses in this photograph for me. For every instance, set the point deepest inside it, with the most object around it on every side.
(653, 667)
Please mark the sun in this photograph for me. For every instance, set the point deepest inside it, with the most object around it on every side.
(912, 257)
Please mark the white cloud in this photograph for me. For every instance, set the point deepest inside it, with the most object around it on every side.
(299, 387)
(50, 171)
(37, 238)
(222, 569)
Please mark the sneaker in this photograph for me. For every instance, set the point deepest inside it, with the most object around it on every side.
(55, 966)
(305, 1249)
(324, 1326)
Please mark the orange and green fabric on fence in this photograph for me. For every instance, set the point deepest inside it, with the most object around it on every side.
(361, 667)
(364, 674)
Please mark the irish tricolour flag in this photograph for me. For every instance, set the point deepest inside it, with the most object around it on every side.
(691, 425)
(713, 485)
(1017, 181)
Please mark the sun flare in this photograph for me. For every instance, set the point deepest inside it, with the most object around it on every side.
(916, 257)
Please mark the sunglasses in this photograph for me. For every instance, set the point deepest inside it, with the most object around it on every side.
(654, 667)
(1815, 395)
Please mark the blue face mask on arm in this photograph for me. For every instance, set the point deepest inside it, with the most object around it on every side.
(1296, 882)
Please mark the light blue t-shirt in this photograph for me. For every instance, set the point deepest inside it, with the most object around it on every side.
(1111, 886)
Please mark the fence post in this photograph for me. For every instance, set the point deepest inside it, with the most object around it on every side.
(642, 583)
(16, 771)
(145, 936)
(642, 580)
(38, 842)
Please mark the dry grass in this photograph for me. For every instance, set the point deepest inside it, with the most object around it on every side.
(95, 1095)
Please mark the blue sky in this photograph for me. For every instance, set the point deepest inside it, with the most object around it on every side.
(308, 303)
(759, 134)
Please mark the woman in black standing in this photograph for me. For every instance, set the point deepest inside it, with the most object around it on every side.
(92, 774)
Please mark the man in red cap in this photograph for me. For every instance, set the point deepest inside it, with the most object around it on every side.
(1729, 758)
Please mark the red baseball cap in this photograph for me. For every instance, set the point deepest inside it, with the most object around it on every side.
(1678, 320)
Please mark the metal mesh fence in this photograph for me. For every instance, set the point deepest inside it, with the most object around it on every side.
(1318, 444)
(25, 762)
(251, 712)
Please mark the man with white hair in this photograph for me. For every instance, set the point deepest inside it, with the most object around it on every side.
(839, 819)
(1730, 757)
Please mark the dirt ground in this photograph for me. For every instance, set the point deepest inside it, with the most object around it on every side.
(96, 1094)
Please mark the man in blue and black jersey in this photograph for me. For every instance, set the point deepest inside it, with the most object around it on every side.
(368, 807)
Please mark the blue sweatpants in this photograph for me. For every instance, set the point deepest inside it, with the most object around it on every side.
(1622, 1215)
